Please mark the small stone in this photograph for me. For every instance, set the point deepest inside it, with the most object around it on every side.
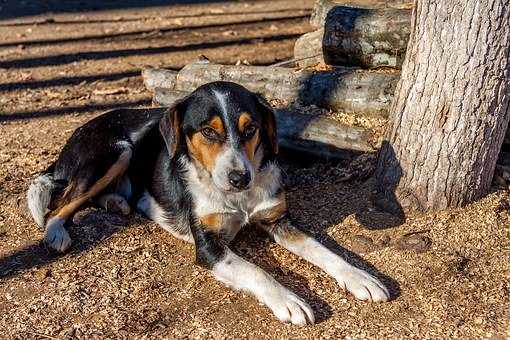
(384, 241)
(414, 242)
(42, 274)
(363, 244)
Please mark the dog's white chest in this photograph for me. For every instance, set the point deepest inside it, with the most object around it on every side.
(236, 209)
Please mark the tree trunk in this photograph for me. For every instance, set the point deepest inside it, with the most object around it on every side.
(451, 106)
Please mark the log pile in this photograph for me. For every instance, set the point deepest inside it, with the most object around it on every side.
(361, 36)
(367, 34)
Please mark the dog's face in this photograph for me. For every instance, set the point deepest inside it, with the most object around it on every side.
(226, 130)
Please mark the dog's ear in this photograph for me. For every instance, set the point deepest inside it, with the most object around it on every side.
(269, 122)
(170, 127)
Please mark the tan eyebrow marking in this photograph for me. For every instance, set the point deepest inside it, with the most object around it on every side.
(244, 119)
(217, 125)
(250, 146)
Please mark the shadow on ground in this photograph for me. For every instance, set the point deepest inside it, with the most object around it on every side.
(90, 227)
(62, 59)
(142, 34)
(18, 9)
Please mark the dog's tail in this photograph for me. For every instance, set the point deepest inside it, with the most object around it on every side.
(39, 195)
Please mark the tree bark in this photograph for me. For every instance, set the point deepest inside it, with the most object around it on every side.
(451, 106)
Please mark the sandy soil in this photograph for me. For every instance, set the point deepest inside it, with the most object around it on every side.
(449, 272)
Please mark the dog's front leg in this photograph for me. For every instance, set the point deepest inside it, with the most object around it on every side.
(360, 283)
(240, 274)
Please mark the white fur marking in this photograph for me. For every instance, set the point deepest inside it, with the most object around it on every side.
(39, 196)
(56, 236)
(243, 275)
(139, 134)
(360, 283)
(222, 99)
(126, 146)
(239, 206)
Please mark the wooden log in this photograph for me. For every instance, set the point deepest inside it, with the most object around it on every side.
(158, 77)
(273, 82)
(317, 135)
(308, 49)
(364, 93)
(343, 89)
(366, 37)
(165, 97)
(321, 136)
(322, 7)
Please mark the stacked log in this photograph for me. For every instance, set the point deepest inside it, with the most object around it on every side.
(308, 49)
(343, 89)
(366, 37)
(365, 34)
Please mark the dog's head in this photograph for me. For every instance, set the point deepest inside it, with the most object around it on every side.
(226, 130)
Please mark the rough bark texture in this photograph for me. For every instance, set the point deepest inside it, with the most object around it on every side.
(158, 77)
(166, 97)
(317, 135)
(345, 89)
(274, 82)
(308, 49)
(322, 7)
(451, 108)
(366, 37)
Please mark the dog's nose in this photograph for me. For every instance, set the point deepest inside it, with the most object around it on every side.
(239, 179)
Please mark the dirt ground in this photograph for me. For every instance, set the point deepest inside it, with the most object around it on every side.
(127, 278)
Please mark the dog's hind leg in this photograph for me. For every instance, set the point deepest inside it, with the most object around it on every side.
(56, 235)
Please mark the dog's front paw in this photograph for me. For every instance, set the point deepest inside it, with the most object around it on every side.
(56, 236)
(287, 306)
(362, 285)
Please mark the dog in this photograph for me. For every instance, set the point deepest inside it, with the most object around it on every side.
(202, 169)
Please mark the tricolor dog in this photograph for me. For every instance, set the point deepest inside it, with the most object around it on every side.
(202, 170)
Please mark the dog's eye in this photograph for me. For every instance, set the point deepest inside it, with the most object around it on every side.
(249, 131)
(209, 133)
